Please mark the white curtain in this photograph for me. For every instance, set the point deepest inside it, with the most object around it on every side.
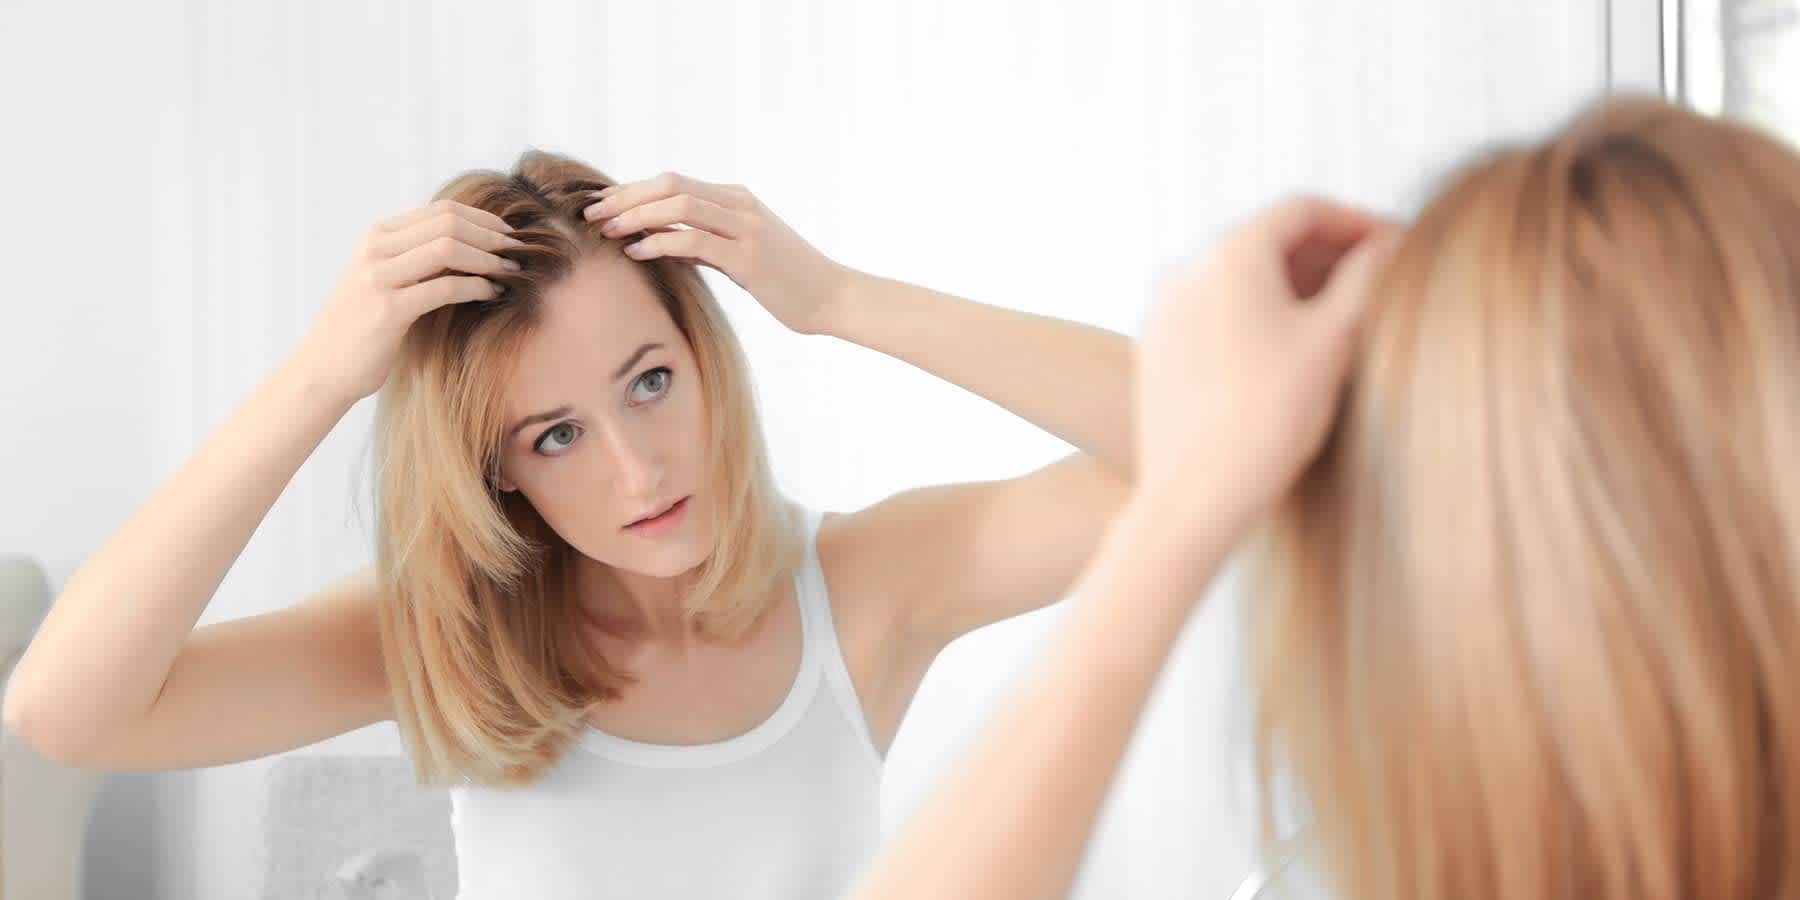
(186, 178)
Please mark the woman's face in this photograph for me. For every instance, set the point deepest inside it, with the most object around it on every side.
(607, 422)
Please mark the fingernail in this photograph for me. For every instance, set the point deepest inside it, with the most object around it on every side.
(634, 249)
(607, 191)
(509, 265)
(611, 227)
(592, 212)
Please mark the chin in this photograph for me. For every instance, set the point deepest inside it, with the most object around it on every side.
(673, 558)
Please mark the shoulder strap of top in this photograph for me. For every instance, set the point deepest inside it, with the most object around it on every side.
(816, 604)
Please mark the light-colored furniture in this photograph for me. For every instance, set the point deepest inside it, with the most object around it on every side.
(43, 806)
(342, 827)
(335, 827)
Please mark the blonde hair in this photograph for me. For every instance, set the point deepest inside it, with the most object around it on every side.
(1530, 625)
(489, 677)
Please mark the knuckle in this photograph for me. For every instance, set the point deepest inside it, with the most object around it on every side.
(1306, 203)
(382, 304)
(1295, 199)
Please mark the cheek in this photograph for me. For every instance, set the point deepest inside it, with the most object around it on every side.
(689, 435)
(687, 416)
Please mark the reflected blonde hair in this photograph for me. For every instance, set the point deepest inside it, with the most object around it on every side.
(1530, 625)
(490, 678)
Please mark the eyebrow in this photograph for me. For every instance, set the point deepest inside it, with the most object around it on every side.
(565, 409)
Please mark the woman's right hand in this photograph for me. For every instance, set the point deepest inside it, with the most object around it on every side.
(403, 267)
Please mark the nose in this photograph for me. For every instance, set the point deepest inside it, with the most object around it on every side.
(637, 466)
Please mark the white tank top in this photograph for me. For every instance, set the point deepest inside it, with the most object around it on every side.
(789, 810)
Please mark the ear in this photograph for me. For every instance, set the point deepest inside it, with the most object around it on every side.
(500, 481)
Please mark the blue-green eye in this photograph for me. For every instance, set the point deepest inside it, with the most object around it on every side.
(568, 427)
(651, 384)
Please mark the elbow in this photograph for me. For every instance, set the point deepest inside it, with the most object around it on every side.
(18, 715)
(29, 721)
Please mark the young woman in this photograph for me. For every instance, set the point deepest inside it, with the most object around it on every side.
(1530, 604)
(644, 673)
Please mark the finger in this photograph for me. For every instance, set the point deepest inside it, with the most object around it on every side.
(681, 209)
(478, 216)
(1316, 219)
(394, 243)
(1341, 306)
(1312, 235)
(439, 255)
(620, 197)
(687, 243)
(428, 295)
(1310, 262)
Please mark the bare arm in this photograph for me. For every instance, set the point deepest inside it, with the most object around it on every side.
(962, 556)
(1070, 379)
(956, 557)
(113, 678)
(967, 555)
(117, 639)
(1011, 818)
(250, 687)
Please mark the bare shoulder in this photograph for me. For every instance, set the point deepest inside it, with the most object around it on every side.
(857, 555)
(863, 555)
(853, 554)
(936, 562)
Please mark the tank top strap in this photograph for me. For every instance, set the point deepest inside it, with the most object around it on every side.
(815, 603)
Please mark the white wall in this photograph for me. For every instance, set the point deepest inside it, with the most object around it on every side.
(187, 177)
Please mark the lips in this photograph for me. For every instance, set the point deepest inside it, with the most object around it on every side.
(656, 512)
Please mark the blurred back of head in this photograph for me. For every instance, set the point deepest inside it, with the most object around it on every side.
(1530, 625)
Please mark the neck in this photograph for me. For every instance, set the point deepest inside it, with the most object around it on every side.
(634, 604)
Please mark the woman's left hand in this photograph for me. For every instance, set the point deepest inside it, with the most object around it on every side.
(1243, 354)
(724, 226)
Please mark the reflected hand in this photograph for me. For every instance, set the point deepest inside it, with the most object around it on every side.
(724, 226)
(403, 267)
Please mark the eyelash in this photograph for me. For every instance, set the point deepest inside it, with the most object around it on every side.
(668, 380)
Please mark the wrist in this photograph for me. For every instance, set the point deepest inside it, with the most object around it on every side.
(1151, 568)
(1186, 515)
(836, 311)
(312, 384)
